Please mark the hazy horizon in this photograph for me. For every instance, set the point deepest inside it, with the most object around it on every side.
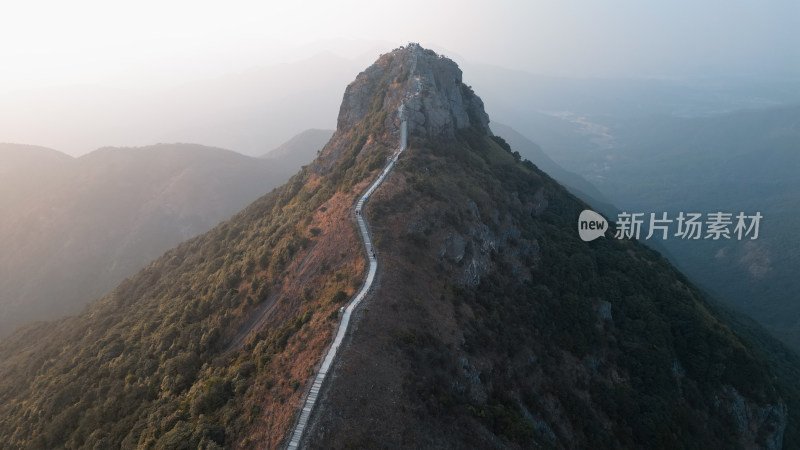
(90, 42)
(82, 76)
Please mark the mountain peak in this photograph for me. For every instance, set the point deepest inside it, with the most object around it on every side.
(491, 324)
(425, 86)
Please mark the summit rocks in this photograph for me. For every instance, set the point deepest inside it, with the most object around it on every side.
(444, 104)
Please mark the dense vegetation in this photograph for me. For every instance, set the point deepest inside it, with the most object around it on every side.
(72, 229)
(145, 366)
(159, 363)
(743, 161)
(561, 343)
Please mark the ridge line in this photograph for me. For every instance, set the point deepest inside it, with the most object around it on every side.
(319, 379)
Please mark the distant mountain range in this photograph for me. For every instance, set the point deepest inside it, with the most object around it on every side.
(248, 112)
(299, 150)
(259, 108)
(76, 227)
(747, 161)
(72, 229)
(667, 145)
(572, 181)
(743, 161)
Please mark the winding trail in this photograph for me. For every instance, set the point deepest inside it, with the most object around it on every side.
(311, 399)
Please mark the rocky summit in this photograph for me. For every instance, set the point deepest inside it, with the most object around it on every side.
(444, 104)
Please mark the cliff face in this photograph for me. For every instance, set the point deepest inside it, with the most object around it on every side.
(446, 104)
(443, 106)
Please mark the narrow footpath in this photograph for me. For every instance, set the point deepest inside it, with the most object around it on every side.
(311, 399)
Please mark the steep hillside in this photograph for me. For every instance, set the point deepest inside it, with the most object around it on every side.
(492, 324)
(743, 161)
(746, 161)
(72, 229)
(212, 343)
(575, 183)
(495, 324)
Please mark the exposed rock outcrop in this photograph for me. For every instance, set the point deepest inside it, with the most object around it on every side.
(444, 104)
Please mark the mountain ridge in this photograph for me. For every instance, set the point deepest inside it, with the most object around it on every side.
(495, 324)
(73, 228)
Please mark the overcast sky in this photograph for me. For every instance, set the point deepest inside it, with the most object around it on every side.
(134, 43)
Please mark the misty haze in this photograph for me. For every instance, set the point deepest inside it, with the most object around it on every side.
(358, 225)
